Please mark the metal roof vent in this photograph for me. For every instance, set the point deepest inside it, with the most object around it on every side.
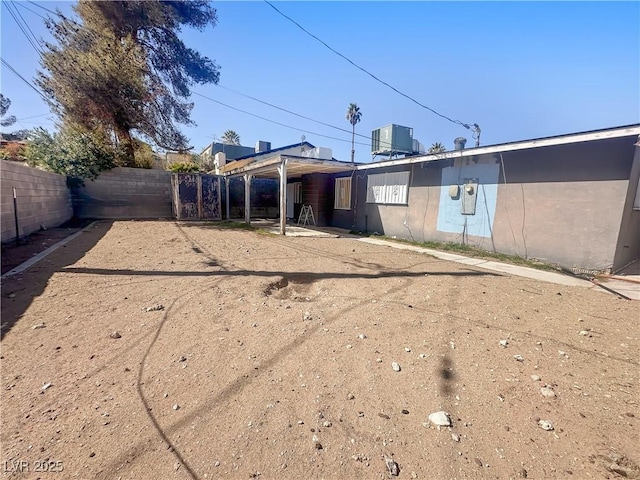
(459, 143)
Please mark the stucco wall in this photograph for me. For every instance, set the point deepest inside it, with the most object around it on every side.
(43, 199)
(125, 193)
(562, 204)
(628, 248)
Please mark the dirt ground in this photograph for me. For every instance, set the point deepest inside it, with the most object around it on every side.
(244, 355)
(15, 254)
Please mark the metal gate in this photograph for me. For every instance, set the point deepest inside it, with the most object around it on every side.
(196, 196)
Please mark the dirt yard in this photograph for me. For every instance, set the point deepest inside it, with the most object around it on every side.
(162, 350)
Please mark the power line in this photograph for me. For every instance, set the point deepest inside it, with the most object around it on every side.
(285, 110)
(22, 29)
(458, 122)
(273, 121)
(301, 116)
(32, 11)
(46, 9)
(26, 24)
(34, 116)
(6, 64)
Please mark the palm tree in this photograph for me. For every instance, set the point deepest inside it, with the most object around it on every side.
(353, 115)
(437, 148)
(230, 137)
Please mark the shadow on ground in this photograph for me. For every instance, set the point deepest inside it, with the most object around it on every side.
(18, 291)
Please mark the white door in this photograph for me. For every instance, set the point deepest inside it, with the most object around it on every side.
(290, 195)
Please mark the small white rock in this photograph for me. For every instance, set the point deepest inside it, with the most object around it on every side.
(407, 349)
(362, 336)
(440, 419)
(562, 354)
(395, 367)
(176, 406)
(379, 360)
(39, 325)
(46, 386)
(326, 424)
(535, 378)
(519, 358)
(546, 425)
(504, 343)
(547, 391)
(455, 437)
(423, 355)
(349, 347)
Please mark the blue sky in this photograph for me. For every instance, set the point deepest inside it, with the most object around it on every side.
(521, 70)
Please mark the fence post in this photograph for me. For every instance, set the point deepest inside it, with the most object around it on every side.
(15, 214)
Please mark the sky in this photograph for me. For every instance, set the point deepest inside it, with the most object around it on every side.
(520, 70)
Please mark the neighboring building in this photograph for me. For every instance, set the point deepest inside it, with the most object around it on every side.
(264, 190)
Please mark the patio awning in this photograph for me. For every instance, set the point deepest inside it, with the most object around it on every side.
(296, 167)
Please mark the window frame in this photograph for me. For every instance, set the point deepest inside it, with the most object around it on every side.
(382, 188)
(342, 196)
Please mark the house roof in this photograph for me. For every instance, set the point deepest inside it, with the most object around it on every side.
(588, 136)
(275, 150)
(296, 166)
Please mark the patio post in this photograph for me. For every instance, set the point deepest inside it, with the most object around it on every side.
(247, 198)
(282, 170)
(226, 193)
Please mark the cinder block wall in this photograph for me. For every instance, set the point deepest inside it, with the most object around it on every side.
(43, 199)
(125, 193)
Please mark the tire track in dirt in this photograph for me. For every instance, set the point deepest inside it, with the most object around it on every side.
(242, 382)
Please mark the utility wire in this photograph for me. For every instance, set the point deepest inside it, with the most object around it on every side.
(23, 30)
(46, 9)
(26, 24)
(32, 11)
(34, 116)
(303, 116)
(273, 121)
(458, 122)
(285, 110)
(6, 64)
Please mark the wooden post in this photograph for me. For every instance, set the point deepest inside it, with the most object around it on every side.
(199, 195)
(282, 170)
(226, 193)
(247, 198)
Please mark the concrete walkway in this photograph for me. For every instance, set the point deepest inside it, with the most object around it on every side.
(626, 284)
(488, 264)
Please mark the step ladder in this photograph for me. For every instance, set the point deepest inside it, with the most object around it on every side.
(306, 216)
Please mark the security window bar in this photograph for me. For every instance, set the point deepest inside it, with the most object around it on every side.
(388, 188)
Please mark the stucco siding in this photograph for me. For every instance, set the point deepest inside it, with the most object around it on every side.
(568, 204)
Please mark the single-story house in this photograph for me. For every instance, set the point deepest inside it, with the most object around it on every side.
(571, 200)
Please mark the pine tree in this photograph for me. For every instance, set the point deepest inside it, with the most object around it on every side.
(122, 69)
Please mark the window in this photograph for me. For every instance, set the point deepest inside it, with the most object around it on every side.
(343, 194)
(388, 188)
